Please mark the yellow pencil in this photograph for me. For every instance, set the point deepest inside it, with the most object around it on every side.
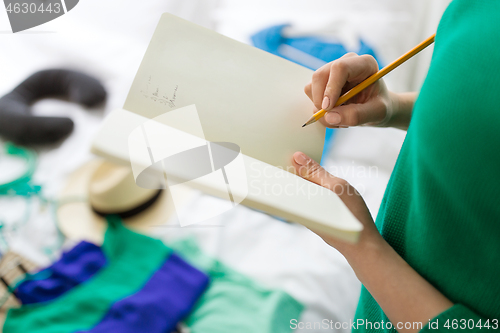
(381, 73)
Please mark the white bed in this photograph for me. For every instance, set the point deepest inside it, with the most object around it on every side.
(108, 39)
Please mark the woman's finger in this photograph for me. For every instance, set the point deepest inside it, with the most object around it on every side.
(308, 90)
(372, 111)
(310, 170)
(352, 69)
(318, 84)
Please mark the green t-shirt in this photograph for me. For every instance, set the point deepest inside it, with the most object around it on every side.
(441, 209)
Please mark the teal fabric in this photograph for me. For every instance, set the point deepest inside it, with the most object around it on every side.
(233, 302)
(440, 211)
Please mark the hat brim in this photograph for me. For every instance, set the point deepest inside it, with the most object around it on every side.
(77, 220)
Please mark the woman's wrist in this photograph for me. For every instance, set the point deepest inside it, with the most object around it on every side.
(369, 258)
(400, 109)
(370, 247)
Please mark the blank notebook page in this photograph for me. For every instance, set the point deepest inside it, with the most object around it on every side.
(243, 95)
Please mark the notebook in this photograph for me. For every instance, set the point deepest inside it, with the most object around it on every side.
(205, 93)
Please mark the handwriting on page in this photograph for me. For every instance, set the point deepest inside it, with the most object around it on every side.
(156, 94)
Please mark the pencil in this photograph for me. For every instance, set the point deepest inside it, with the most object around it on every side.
(372, 79)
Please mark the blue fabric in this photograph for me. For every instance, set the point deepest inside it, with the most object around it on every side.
(165, 299)
(270, 39)
(73, 268)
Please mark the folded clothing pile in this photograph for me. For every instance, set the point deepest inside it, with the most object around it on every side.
(134, 283)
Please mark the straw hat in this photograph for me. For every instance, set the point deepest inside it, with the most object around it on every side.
(100, 187)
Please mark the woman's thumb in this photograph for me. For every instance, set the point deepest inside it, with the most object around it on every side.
(309, 169)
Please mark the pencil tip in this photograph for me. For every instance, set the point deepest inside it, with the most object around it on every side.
(304, 125)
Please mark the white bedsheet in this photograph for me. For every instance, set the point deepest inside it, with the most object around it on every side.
(108, 39)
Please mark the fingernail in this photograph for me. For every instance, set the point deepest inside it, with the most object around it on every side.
(326, 103)
(301, 159)
(333, 118)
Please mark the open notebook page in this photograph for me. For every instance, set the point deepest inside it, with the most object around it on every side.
(243, 95)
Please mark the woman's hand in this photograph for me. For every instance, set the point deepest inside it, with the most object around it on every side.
(375, 105)
(401, 292)
(370, 238)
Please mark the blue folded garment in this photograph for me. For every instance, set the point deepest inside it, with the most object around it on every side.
(270, 40)
(165, 299)
(74, 267)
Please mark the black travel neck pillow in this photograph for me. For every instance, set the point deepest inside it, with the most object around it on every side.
(19, 125)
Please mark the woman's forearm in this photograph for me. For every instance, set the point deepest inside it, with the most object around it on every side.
(403, 295)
